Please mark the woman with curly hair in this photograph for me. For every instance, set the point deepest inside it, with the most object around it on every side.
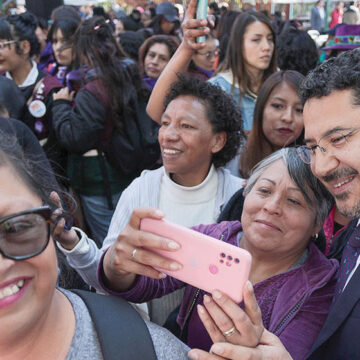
(199, 133)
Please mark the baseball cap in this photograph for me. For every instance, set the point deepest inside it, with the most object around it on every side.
(168, 10)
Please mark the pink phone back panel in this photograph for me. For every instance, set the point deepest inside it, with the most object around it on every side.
(208, 263)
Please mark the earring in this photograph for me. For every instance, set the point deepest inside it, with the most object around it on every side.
(316, 236)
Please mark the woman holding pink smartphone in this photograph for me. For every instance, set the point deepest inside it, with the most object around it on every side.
(284, 208)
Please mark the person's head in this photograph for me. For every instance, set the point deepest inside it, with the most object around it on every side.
(155, 53)
(166, 20)
(19, 41)
(214, 8)
(119, 27)
(248, 5)
(278, 120)
(41, 32)
(331, 97)
(94, 44)
(320, 3)
(200, 126)
(296, 50)
(65, 12)
(251, 49)
(61, 36)
(339, 5)
(25, 233)
(205, 58)
(285, 206)
(130, 42)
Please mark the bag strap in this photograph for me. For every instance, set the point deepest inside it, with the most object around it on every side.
(122, 332)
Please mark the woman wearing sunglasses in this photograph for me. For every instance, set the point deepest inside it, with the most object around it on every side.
(33, 312)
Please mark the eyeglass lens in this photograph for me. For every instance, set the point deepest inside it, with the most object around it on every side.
(23, 235)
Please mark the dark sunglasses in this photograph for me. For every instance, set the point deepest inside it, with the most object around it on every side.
(25, 234)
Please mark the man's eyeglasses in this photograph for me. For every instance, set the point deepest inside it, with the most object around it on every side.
(338, 140)
(25, 234)
(6, 43)
(210, 54)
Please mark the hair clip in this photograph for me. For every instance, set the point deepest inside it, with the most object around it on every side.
(97, 27)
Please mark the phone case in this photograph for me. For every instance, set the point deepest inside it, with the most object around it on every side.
(208, 263)
(201, 13)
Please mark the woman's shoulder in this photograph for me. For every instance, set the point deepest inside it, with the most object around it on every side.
(167, 346)
(318, 267)
(85, 339)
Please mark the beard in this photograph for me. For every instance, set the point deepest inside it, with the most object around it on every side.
(348, 211)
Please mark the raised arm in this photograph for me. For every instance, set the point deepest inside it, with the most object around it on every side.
(192, 28)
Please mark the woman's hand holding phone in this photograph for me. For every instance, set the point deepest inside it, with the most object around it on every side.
(193, 28)
(232, 329)
(128, 256)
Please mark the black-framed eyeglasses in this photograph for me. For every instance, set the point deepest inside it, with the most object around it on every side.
(6, 43)
(25, 234)
(336, 141)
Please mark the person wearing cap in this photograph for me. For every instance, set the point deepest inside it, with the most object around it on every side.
(166, 21)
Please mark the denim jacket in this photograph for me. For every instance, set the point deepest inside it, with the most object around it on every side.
(247, 102)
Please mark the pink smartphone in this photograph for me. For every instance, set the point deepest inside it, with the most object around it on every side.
(208, 263)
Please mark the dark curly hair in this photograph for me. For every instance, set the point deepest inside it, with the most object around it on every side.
(221, 112)
(21, 27)
(296, 50)
(339, 73)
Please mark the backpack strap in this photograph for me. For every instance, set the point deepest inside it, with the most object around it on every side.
(122, 332)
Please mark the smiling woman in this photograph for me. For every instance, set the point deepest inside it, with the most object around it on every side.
(285, 206)
(31, 307)
(278, 120)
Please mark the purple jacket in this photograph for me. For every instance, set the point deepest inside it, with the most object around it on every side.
(294, 304)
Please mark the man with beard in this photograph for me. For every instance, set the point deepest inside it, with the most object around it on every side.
(331, 97)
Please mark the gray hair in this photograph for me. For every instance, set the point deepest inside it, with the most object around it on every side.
(314, 192)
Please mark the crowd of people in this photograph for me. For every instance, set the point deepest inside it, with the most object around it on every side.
(248, 137)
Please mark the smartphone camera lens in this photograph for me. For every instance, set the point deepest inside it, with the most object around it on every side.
(237, 260)
(230, 257)
(223, 255)
(221, 261)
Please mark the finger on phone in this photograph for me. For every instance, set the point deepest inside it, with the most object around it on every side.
(222, 321)
(250, 332)
(154, 260)
(146, 239)
(191, 9)
(196, 354)
(143, 212)
(209, 324)
(141, 269)
(252, 308)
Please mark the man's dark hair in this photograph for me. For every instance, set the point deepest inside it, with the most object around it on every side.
(338, 73)
(296, 50)
(221, 112)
